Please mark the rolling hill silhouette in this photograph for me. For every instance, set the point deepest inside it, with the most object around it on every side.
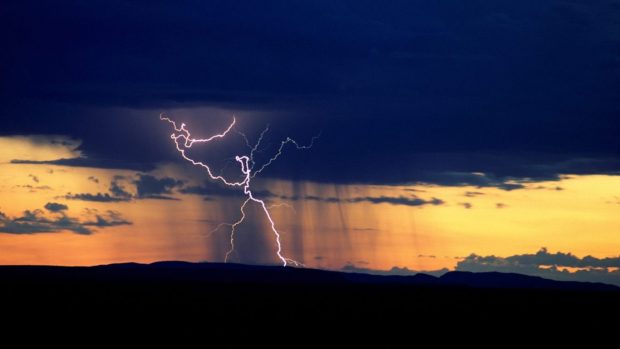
(219, 273)
(170, 294)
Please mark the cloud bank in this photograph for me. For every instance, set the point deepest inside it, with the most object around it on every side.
(36, 221)
(548, 265)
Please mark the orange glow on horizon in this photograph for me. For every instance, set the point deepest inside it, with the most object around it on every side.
(582, 219)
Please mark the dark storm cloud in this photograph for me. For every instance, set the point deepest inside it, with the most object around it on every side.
(405, 91)
(400, 200)
(93, 179)
(109, 219)
(117, 193)
(92, 162)
(397, 201)
(55, 207)
(98, 197)
(35, 222)
(161, 197)
(542, 263)
(118, 190)
(543, 257)
(210, 189)
(145, 187)
(151, 187)
(546, 264)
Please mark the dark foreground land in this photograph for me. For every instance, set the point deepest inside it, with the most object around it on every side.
(217, 298)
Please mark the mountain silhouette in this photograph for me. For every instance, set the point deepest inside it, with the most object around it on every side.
(190, 297)
(241, 273)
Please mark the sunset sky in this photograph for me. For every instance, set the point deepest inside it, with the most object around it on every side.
(477, 135)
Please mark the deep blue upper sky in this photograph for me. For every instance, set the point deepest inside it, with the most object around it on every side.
(403, 91)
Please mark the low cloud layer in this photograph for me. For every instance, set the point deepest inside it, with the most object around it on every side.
(99, 197)
(37, 221)
(210, 189)
(56, 207)
(549, 265)
(122, 189)
(150, 187)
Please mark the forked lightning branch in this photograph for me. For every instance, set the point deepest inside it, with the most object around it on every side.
(183, 141)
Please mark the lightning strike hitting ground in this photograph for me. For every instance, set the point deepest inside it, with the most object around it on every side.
(183, 141)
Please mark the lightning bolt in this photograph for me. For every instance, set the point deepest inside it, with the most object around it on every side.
(183, 140)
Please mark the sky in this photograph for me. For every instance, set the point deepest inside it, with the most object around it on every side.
(452, 135)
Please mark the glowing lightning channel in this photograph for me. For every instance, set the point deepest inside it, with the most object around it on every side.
(183, 141)
(279, 152)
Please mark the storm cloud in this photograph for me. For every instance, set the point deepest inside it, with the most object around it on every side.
(56, 207)
(405, 92)
(211, 189)
(150, 187)
(98, 197)
(549, 265)
(144, 186)
(36, 222)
